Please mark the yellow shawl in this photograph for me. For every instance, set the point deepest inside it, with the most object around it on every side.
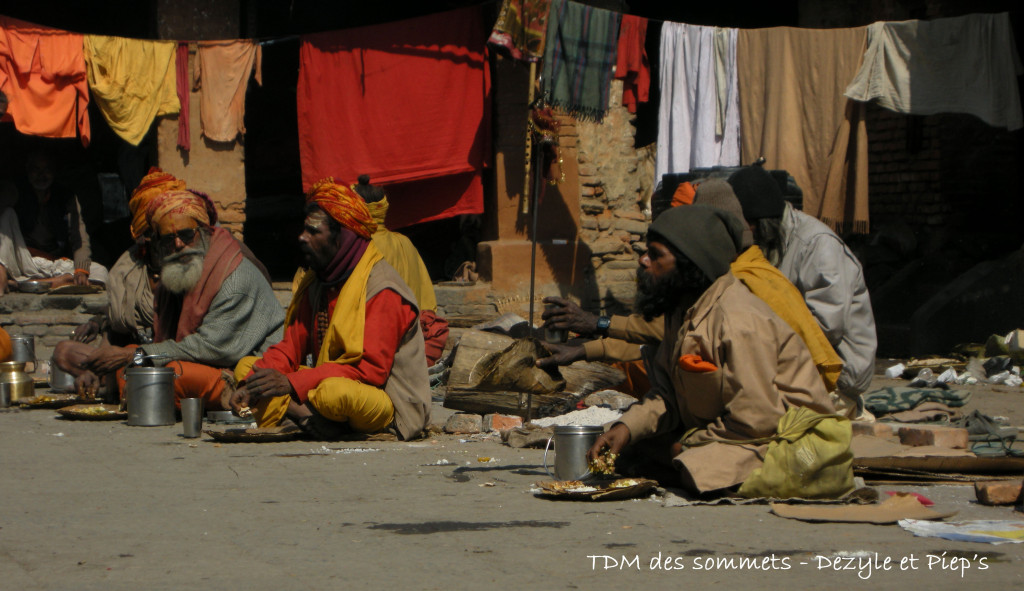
(403, 256)
(769, 284)
(343, 342)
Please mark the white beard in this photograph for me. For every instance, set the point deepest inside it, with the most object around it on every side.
(180, 277)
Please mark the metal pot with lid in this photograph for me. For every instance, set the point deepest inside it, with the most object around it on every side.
(149, 395)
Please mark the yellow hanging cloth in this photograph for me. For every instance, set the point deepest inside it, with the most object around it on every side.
(133, 82)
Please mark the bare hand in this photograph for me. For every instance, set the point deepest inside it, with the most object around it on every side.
(108, 359)
(566, 314)
(87, 384)
(81, 279)
(86, 332)
(240, 399)
(268, 382)
(561, 355)
(614, 439)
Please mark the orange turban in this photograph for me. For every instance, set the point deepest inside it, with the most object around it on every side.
(153, 184)
(344, 205)
(180, 202)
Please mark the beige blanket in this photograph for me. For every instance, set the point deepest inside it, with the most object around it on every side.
(793, 112)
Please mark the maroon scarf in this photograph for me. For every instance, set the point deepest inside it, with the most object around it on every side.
(177, 317)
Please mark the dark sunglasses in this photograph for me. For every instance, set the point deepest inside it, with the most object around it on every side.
(167, 241)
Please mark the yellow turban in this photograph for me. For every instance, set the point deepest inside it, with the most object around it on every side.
(378, 211)
(179, 202)
(153, 184)
(344, 205)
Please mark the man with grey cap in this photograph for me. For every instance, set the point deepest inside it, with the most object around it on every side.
(728, 367)
(821, 266)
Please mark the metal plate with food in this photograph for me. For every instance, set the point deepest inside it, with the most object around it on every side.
(576, 490)
(254, 434)
(227, 417)
(93, 412)
(53, 401)
(33, 286)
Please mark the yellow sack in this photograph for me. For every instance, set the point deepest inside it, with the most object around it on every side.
(809, 458)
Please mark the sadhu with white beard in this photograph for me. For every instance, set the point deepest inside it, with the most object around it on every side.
(212, 305)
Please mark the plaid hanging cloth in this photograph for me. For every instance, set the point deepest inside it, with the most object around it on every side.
(580, 50)
(520, 28)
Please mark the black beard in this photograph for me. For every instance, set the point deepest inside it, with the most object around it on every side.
(657, 297)
(681, 288)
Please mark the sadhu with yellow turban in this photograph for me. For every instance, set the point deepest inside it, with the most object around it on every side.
(355, 318)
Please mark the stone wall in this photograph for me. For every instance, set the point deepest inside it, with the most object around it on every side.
(615, 179)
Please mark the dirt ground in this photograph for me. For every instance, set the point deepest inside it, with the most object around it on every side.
(101, 505)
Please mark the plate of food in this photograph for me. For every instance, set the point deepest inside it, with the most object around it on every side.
(93, 412)
(53, 401)
(254, 434)
(595, 490)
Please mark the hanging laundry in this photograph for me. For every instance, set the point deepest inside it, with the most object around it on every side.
(184, 90)
(966, 64)
(222, 75)
(793, 112)
(691, 94)
(405, 103)
(579, 54)
(520, 28)
(42, 72)
(133, 82)
(632, 67)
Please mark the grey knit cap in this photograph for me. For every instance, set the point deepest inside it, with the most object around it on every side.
(709, 237)
(718, 193)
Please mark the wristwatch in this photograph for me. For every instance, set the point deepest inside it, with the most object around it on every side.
(603, 323)
(139, 357)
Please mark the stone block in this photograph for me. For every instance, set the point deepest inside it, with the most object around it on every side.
(607, 245)
(998, 492)
(609, 398)
(874, 429)
(631, 226)
(463, 423)
(499, 422)
(939, 436)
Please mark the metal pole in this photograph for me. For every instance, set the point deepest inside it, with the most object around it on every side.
(538, 186)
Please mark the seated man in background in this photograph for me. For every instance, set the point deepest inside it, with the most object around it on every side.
(43, 236)
(823, 268)
(352, 354)
(728, 367)
(400, 253)
(213, 306)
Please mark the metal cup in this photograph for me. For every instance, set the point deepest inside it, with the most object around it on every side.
(23, 349)
(191, 417)
(555, 335)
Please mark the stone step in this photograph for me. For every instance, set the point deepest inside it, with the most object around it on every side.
(50, 319)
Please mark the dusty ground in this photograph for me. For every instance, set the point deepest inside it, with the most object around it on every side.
(100, 505)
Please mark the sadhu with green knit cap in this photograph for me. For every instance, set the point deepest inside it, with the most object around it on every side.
(351, 359)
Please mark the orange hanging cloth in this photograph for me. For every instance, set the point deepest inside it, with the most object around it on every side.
(42, 72)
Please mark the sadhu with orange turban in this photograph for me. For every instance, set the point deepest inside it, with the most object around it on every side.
(344, 205)
(354, 317)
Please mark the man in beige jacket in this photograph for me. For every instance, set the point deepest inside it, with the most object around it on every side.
(728, 367)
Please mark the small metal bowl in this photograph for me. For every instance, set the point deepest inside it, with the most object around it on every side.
(32, 286)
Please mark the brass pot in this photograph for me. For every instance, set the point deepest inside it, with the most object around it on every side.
(14, 382)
